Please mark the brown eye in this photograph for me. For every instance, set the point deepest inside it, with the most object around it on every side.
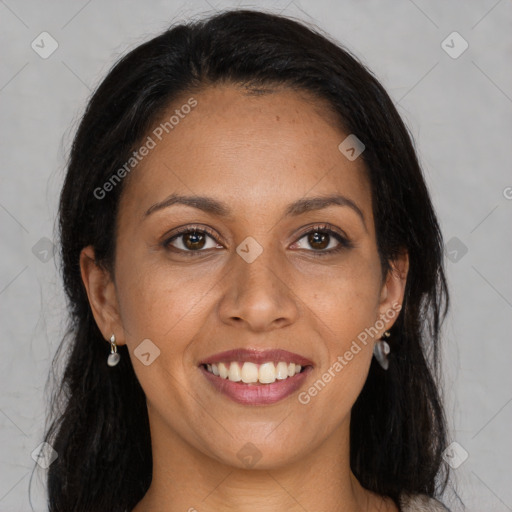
(318, 240)
(194, 240)
(325, 241)
(191, 240)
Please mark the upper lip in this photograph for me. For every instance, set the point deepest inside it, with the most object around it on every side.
(256, 356)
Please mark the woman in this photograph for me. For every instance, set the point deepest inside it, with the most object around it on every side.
(254, 271)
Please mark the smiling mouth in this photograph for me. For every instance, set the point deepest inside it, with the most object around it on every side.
(252, 373)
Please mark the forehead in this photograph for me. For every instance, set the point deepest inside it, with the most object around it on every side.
(253, 151)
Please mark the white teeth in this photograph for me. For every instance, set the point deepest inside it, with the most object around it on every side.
(282, 370)
(235, 374)
(250, 373)
(267, 373)
(223, 371)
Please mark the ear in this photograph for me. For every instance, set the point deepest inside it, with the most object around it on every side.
(393, 289)
(102, 295)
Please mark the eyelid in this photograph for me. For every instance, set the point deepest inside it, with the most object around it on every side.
(323, 226)
(189, 229)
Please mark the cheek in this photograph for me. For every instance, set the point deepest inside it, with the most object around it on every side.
(344, 313)
(348, 296)
(162, 302)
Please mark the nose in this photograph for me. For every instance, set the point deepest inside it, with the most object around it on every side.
(260, 294)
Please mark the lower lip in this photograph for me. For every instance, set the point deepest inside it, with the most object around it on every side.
(257, 394)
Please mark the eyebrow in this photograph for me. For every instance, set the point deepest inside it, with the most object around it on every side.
(220, 209)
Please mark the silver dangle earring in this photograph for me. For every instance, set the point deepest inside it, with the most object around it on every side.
(114, 357)
(381, 350)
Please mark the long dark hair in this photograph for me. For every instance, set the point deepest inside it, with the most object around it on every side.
(98, 424)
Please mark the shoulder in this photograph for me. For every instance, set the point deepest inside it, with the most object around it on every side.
(420, 503)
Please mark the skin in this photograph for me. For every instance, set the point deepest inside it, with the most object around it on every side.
(257, 154)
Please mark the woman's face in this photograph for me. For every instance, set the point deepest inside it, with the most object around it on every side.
(260, 279)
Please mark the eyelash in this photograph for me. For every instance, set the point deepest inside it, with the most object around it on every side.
(344, 243)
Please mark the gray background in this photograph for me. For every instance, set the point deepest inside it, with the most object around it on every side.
(459, 111)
